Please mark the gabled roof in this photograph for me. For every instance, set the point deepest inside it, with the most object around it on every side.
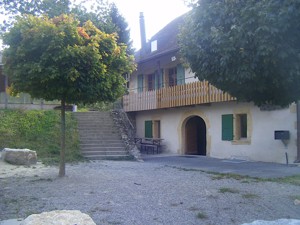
(167, 41)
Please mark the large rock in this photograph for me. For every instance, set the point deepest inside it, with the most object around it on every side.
(275, 222)
(59, 217)
(19, 156)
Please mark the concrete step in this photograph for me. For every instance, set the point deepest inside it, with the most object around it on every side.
(108, 157)
(103, 152)
(95, 144)
(100, 135)
(99, 138)
(102, 148)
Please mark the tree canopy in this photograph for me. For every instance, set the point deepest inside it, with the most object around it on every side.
(55, 58)
(249, 49)
(104, 16)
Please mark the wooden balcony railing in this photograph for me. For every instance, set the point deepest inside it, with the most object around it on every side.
(181, 95)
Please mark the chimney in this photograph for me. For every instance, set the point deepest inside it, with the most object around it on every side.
(142, 30)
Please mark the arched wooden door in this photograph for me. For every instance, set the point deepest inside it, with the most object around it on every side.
(195, 135)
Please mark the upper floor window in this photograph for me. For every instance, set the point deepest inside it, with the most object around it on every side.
(154, 46)
(127, 78)
(140, 82)
(151, 82)
(172, 75)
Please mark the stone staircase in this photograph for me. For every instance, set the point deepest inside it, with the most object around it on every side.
(99, 138)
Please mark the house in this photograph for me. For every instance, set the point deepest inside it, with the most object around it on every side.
(195, 118)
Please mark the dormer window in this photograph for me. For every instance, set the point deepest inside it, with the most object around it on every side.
(154, 46)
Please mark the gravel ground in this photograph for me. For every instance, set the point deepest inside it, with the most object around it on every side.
(135, 193)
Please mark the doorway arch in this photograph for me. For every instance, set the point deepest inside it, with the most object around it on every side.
(195, 136)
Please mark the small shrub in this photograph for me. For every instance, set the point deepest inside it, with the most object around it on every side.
(229, 190)
(250, 196)
(201, 215)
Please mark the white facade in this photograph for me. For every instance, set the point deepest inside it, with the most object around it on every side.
(259, 145)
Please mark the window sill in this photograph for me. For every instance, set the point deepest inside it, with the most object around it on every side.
(241, 142)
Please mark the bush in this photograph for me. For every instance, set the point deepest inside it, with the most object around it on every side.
(39, 131)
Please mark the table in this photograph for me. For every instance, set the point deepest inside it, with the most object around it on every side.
(149, 144)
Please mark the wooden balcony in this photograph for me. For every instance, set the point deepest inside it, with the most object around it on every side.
(195, 93)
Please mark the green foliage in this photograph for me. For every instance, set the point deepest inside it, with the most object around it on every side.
(105, 16)
(39, 131)
(294, 180)
(202, 215)
(249, 49)
(57, 59)
(229, 190)
(250, 196)
(11, 8)
(98, 106)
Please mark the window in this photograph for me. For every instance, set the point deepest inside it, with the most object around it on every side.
(156, 129)
(235, 127)
(151, 82)
(154, 46)
(172, 75)
(140, 82)
(241, 126)
(180, 74)
(152, 129)
(127, 78)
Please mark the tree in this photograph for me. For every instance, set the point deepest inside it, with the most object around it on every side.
(57, 59)
(104, 16)
(52, 8)
(249, 49)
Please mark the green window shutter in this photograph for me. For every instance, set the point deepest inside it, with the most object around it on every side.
(158, 79)
(148, 129)
(180, 74)
(140, 82)
(227, 127)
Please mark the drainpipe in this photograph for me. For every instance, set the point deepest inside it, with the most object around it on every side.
(142, 30)
(298, 132)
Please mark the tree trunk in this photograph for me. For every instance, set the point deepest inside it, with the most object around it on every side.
(62, 164)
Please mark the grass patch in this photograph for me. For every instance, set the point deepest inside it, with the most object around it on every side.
(250, 196)
(229, 190)
(39, 130)
(293, 197)
(201, 215)
(295, 180)
(220, 176)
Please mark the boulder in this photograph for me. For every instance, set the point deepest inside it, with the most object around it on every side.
(275, 222)
(61, 217)
(19, 156)
(297, 202)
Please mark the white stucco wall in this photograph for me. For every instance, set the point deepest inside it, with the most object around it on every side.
(260, 145)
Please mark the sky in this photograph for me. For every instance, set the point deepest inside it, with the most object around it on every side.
(157, 14)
